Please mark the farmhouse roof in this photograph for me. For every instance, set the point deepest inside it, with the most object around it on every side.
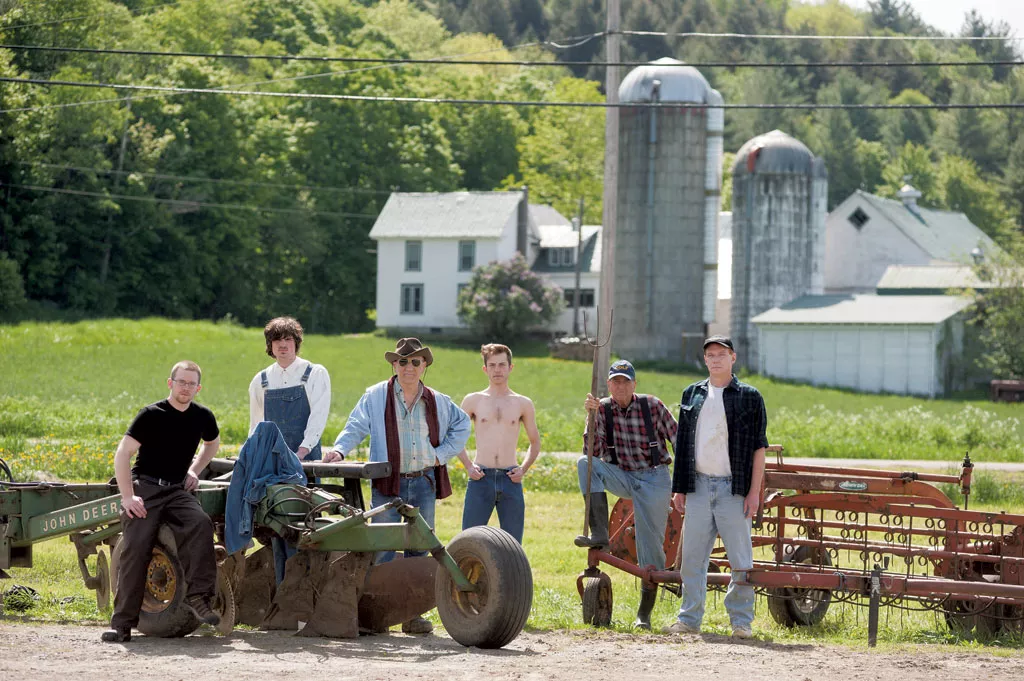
(925, 279)
(454, 215)
(865, 308)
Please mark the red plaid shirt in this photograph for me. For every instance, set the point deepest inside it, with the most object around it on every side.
(631, 442)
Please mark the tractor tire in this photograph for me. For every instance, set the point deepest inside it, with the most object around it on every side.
(5, 471)
(597, 602)
(793, 607)
(163, 613)
(496, 613)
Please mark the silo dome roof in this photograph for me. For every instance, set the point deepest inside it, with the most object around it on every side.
(678, 83)
(777, 152)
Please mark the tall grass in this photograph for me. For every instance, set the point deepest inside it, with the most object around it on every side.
(80, 384)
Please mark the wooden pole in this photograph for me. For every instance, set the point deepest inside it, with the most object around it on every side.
(611, 179)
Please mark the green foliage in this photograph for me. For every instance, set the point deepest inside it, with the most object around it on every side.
(1000, 311)
(562, 159)
(504, 300)
(12, 289)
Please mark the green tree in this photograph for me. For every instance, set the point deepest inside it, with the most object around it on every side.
(1000, 311)
(562, 159)
(913, 164)
(966, 191)
(505, 300)
(872, 157)
(12, 288)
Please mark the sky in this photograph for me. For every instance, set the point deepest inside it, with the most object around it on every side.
(948, 15)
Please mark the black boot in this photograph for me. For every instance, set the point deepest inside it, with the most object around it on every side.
(648, 597)
(598, 538)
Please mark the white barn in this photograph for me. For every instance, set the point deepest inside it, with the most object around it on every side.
(865, 234)
(871, 343)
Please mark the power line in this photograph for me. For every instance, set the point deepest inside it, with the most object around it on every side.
(67, 105)
(90, 16)
(187, 203)
(497, 102)
(454, 61)
(800, 36)
(207, 180)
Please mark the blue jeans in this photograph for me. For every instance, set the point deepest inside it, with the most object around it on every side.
(418, 492)
(713, 510)
(651, 492)
(495, 491)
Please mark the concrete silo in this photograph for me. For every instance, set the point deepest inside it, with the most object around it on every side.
(779, 203)
(670, 178)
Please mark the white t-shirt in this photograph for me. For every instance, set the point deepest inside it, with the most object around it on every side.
(712, 450)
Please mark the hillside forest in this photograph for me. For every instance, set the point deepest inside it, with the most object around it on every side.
(127, 202)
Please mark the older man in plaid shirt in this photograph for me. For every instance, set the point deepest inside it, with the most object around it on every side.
(631, 461)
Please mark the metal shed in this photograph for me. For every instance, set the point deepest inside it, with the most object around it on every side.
(908, 345)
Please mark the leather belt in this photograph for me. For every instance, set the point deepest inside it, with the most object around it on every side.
(415, 474)
(157, 481)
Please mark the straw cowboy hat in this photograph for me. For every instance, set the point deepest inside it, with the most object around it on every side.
(407, 348)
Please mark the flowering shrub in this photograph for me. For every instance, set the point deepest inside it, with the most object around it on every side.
(504, 300)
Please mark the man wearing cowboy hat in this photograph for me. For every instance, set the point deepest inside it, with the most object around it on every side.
(416, 429)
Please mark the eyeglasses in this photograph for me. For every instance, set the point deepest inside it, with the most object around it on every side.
(191, 385)
(415, 362)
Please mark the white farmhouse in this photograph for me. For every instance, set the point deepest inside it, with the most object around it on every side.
(429, 243)
(865, 234)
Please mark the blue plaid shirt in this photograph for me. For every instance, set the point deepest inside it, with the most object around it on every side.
(413, 434)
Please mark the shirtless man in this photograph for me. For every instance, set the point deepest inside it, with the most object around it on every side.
(496, 479)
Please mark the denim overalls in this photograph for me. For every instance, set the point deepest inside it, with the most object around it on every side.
(289, 409)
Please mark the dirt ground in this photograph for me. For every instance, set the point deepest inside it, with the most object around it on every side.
(49, 651)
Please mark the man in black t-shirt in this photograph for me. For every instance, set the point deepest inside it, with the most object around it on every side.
(157, 491)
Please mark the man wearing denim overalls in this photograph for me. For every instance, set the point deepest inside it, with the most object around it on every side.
(295, 394)
(717, 484)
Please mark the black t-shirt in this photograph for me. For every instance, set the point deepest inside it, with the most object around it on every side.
(170, 438)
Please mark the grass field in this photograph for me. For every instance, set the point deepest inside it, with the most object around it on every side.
(67, 391)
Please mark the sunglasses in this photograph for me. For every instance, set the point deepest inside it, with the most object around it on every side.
(415, 362)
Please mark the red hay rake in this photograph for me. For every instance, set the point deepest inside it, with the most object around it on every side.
(829, 534)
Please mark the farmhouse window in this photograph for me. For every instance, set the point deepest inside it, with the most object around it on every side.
(413, 256)
(467, 255)
(412, 298)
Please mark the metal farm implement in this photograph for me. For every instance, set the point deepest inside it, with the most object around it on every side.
(480, 583)
(827, 534)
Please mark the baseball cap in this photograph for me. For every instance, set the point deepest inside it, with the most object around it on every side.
(622, 368)
(720, 340)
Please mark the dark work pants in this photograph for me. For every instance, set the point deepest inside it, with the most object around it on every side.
(193, 534)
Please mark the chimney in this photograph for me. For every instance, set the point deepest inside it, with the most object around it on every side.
(523, 222)
(909, 196)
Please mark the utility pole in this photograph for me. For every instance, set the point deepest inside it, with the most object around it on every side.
(611, 181)
(578, 224)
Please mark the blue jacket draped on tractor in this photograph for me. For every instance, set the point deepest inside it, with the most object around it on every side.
(264, 460)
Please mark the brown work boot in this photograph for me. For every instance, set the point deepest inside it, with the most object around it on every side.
(120, 635)
(200, 607)
(417, 625)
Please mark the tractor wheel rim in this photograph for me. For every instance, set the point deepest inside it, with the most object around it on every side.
(471, 603)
